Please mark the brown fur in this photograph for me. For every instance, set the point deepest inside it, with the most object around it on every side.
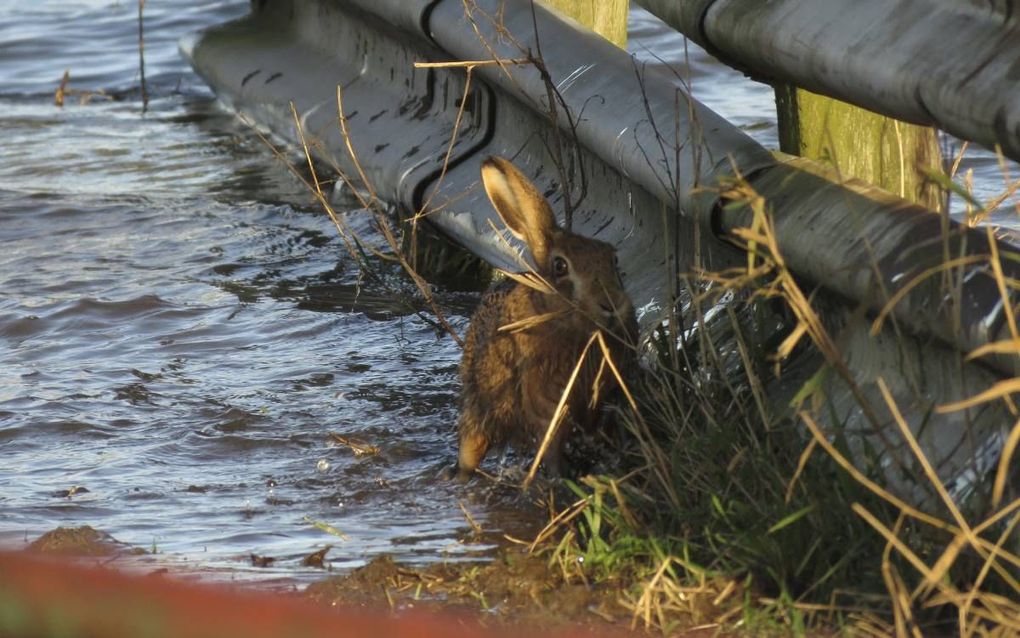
(513, 381)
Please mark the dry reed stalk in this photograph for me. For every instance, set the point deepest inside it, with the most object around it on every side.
(973, 594)
(475, 527)
(903, 291)
(559, 414)
(933, 577)
(929, 471)
(141, 55)
(901, 505)
(565, 516)
(466, 64)
(762, 233)
(384, 227)
(1005, 458)
(801, 464)
(532, 280)
(531, 322)
(351, 241)
(425, 207)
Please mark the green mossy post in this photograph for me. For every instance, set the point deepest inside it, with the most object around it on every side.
(607, 18)
(858, 143)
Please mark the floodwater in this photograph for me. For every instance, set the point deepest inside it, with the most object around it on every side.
(182, 333)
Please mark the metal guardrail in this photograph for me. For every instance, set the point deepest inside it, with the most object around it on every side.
(952, 64)
(651, 160)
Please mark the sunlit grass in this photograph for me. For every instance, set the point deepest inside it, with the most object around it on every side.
(736, 512)
(737, 518)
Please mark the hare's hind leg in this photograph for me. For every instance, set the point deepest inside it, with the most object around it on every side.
(472, 450)
(473, 446)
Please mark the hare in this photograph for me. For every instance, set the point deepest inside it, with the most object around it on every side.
(513, 378)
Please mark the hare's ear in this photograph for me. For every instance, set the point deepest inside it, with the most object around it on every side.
(521, 207)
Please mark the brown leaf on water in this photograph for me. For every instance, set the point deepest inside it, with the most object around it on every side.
(58, 99)
(359, 448)
(262, 561)
(317, 559)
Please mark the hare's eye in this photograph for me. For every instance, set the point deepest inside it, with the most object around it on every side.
(560, 267)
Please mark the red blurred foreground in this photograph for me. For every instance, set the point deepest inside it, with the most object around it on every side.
(45, 598)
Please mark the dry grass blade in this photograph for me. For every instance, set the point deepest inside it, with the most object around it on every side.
(1005, 459)
(530, 322)
(558, 415)
(864, 480)
(903, 291)
(531, 280)
(348, 143)
(801, 463)
(911, 511)
(902, 614)
(975, 590)
(657, 459)
(1000, 281)
(384, 227)
(1001, 390)
(561, 408)
(58, 97)
(644, 606)
(475, 527)
(899, 545)
(468, 64)
(449, 148)
(315, 187)
(936, 482)
(995, 347)
(564, 517)
(84, 96)
(141, 56)
(760, 240)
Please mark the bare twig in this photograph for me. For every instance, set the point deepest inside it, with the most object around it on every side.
(141, 55)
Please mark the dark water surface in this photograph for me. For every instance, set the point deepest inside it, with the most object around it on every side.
(181, 330)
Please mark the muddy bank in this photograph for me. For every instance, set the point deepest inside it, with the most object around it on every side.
(514, 592)
(81, 541)
(514, 589)
(517, 592)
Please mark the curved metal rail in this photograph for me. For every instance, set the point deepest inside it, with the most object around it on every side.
(650, 160)
(952, 64)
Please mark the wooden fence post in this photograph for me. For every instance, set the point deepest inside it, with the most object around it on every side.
(608, 18)
(858, 143)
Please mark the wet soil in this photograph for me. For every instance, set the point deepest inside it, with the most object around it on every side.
(513, 590)
(80, 541)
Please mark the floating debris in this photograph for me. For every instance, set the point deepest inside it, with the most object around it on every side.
(326, 527)
(74, 490)
(261, 561)
(359, 448)
(317, 559)
(84, 96)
